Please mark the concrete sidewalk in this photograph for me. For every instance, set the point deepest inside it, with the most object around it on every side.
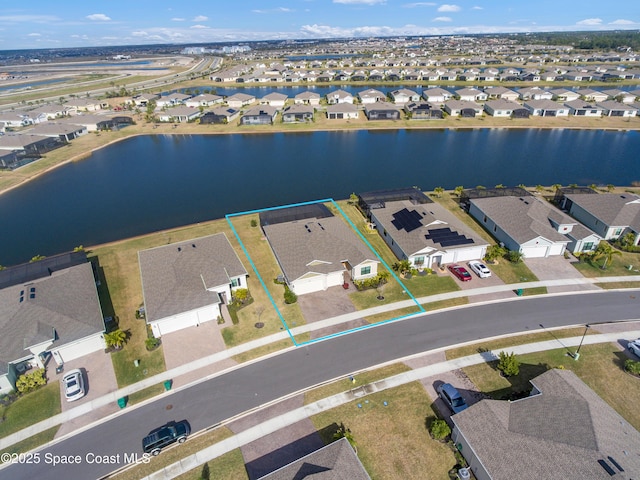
(294, 416)
(112, 398)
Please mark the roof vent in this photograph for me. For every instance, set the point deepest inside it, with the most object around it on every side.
(179, 249)
(606, 467)
(193, 245)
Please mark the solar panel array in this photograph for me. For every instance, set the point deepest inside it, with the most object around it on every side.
(447, 238)
(407, 220)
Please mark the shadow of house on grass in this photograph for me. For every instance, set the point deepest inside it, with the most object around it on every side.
(520, 385)
(104, 295)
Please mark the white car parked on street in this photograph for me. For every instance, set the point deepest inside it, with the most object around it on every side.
(479, 268)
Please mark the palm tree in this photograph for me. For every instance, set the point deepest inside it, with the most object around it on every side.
(116, 339)
(611, 187)
(438, 191)
(458, 190)
(556, 186)
(606, 251)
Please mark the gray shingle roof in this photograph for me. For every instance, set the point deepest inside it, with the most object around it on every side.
(560, 433)
(65, 302)
(336, 461)
(313, 245)
(175, 277)
(433, 216)
(612, 209)
(524, 218)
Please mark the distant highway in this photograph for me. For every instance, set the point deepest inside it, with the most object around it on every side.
(213, 401)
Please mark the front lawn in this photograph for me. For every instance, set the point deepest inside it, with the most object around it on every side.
(618, 266)
(31, 408)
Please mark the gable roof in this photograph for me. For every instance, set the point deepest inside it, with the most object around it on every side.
(314, 245)
(59, 306)
(560, 432)
(176, 278)
(612, 209)
(524, 218)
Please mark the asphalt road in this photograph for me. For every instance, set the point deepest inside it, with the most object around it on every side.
(223, 397)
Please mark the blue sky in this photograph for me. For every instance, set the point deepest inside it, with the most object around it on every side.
(73, 23)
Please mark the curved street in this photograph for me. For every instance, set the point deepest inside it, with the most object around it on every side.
(249, 386)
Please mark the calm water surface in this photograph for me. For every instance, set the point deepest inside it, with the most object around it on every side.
(150, 183)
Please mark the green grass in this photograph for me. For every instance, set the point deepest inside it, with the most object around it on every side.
(452, 302)
(346, 384)
(600, 367)
(151, 363)
(31, 408)
(617, 267)
(392, 440)
(33, 442)
(422, 286)
(229, 466)
(612, 285)
(145, 394)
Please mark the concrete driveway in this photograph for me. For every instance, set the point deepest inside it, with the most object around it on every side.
(191, 344)
(477, 282)
(554, 268)
(99, 378)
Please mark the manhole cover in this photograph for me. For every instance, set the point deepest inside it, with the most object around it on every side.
(259, 325)
(169, 407)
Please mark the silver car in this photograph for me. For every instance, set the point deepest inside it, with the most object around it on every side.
(634, 347)
(73, 383)
(479, 268)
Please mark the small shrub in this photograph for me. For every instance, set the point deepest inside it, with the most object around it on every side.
(632, 366)
(240, 296)
(254, 222)
(31, 381)
(508, 364)
(152, 343)
(439, 429)
(289, 296)
(514, 256)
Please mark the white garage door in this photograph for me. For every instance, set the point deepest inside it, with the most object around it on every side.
(309, 284)
(534, 252)
(468, 254)
(81, 348)
(557, 249)
(185, 320)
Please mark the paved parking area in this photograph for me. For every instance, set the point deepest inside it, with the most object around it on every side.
(477, 282)
(554, 268)
(99, 379)
(194, 343)
(329, 303)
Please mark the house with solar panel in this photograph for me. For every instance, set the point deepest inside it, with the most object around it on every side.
(315, 249)
(419, 230)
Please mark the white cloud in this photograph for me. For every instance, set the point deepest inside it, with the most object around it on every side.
(477, 8)
(590, 21)
(622, 22)
(98, 17)
(200, 18)
(198, 26)
(360, 2)
(448, 8)
(140, 33)
(419, 4)
(28, 18)
(274, 10)
(178, 19)
(442, 19)
(33, 35)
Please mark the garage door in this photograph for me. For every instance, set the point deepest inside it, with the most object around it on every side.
(308, 285)
(185, 320)
(557, 249)
(534, 252)
(468, 254)
(81, 348)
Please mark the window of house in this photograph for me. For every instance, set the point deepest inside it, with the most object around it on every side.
(365, 270)
(418, 261)
(618, 231)
(495, 228)
(587, 246)
(484, 219)
(235, 282)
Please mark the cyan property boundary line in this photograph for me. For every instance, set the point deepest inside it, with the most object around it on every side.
(229, 217)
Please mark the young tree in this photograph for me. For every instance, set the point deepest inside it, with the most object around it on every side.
(438, 191)
(605, 251)
(514, 256)
(116, 339)
(458, 190)
(508, 364)
(439, 429)
(494, 252)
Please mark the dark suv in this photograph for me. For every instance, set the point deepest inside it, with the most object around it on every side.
(170, 433)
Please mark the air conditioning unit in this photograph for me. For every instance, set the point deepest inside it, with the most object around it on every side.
(464, 474)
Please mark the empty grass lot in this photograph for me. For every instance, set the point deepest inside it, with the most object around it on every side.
(31, 408)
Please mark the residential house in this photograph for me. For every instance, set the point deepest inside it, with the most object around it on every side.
(48, 112)
(419, 230)
(221, 115)
(423, 111)
(15, 119)
(503, 93)
(437, 95)
(94, 123)
(9, 160)
(63, 131)
(298, 113)
(339, 96)
(471, 95)
(610, 215)
(274, 99)
(580, 108)
(182, 114)
(612, 108)
(382, 111)
(74, 105)
(505, 108)
(342, 111)
(563, 429)
(591, 95)
(534, 93)
(48, 309)
(172, 100)
(620, 95)
(29, 145)
(143, 99)
(578, 76)
(463, 108)
(259, 115)
(524, 224)
(185, 284)
(404, 95)
(370, 96)
(546, 108)
(564, 95)
(315, 249)
(307, 98)
(240, 100)
(203, 100)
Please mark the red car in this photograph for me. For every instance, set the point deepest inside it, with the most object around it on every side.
(460, 272)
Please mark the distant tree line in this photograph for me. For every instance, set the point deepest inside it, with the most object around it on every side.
(586, 40)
